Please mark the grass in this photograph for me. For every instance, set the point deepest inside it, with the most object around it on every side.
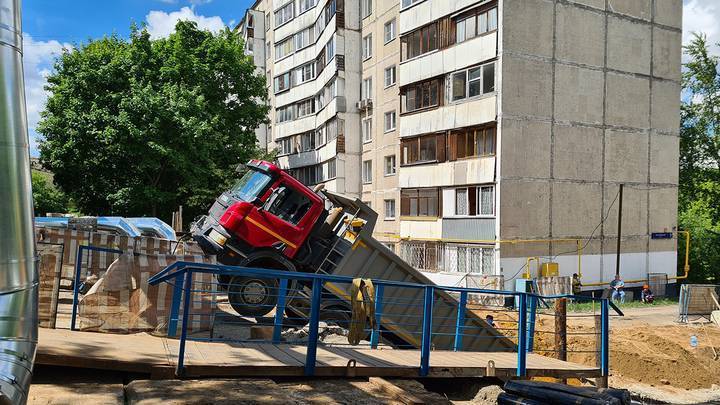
(587, 306)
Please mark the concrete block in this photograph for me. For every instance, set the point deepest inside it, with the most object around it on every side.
(626, 156)
(578, 94)
(627, 245)
(628, 45)
(627, 101)
(634, 8)
(663, 209)
(667, 53)
(664, 158)
(635, 208)
(528, 27)
(577, 153)
(525, 209)
(669, 12)
(524, 249)
(576, 209)
(525, 149)
(599, 4)
(527, 86)
(666, 106)
(580, 35)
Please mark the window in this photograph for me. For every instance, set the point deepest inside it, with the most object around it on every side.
(288, 204)
(408, 3)
(423, 149)
(390, 121)
(390, 28)
(367, 129)
(390, 74)
(473, 82)
(389, 209)
(283, 48)
(422, 202)
(267, 22)
(420, 95)
(267, 50)
(284, 114)
(286, 146)
(390, 165)
(367, 171)
(331, 169)
(365, 8)
(367, 47)
(284, 14)
(475, 201)
(304, 73)
(471, 142)
(330, 49)
(366, 90)
(475, 22)
(304, 38)
(306, 107)
(306, 5)
(418, 42)
(307, 142)
(282, 82)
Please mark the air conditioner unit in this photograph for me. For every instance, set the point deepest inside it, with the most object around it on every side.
(364, 104)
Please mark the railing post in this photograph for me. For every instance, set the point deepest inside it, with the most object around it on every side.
(605, 336)
(426, 331)
(522, 335)
(531, 323)
(76, 286)
(314, 320)
(175, 306)
(460, 323)
(375, 335)
(280, 311)
(180, 371)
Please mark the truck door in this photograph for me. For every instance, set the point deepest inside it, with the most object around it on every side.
(283, 218)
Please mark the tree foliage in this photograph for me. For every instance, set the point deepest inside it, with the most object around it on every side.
(46, 197)
(138, 127)
(699, 191)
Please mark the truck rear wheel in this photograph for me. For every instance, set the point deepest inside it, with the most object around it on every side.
(255, 295)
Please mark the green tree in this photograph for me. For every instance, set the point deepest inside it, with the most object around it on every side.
(138, 127)
(46, 197)
(699, 191)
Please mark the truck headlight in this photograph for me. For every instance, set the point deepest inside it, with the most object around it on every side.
(217, 237)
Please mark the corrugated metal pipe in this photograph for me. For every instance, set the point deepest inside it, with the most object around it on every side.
(18, 270)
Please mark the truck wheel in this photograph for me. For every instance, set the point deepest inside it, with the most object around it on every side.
(257, 296)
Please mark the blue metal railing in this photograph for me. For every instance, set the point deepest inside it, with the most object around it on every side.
(77, 277)
(181, 276)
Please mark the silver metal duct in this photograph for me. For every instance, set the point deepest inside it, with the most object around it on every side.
(18, 274)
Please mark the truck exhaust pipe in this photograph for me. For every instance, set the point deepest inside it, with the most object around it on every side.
(18, 274)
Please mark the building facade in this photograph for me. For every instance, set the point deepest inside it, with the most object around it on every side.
(486, 133)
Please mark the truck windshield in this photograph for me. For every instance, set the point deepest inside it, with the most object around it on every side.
(250, 186)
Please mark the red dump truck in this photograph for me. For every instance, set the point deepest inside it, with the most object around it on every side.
(271, 220)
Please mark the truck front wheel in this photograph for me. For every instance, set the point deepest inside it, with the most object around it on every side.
(252, 296)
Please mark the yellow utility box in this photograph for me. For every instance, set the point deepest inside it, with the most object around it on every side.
(549, 270)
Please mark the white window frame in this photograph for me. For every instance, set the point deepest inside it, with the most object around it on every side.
(367, 171)
(481, 80)
(282, 13)
(390, 31)
(391, 118)
(392, 160)
(366, 128)
(365, 8)
(478, 201)
(407, 3)
(392, 71)
(305, 5)
(390, 203)
(366, 91)
(279, 45)
(367, 47)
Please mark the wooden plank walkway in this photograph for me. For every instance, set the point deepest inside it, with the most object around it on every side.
(157, 356)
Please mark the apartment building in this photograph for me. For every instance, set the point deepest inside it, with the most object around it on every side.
(489, 132)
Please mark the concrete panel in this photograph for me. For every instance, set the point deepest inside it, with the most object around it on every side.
(576, 209)
(457, 115)
(627, 101)
(525, 149)
(577, 153)
(599, 4)
(667, 53)
(431, 229)
(474, 171)
(528, 27)
(666, 106)
(667, 245)
(524, 249)
(578, 94)
(627, 245)
(628, 45)
(633, 8)
(524, 210)
(626, 156)
(663, 209)
(635, 208)
(669, 12)
(526, 87)
(664, 158)
(580, 35)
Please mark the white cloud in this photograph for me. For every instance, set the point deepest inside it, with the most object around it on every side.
(702, 16)
(38, 58)
(161, 24)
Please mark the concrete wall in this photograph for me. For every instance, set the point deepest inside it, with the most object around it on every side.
(589, 98)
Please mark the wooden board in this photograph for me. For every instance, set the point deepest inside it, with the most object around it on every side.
(154, 355)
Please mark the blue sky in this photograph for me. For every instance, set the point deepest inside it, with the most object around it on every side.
(50, 25)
